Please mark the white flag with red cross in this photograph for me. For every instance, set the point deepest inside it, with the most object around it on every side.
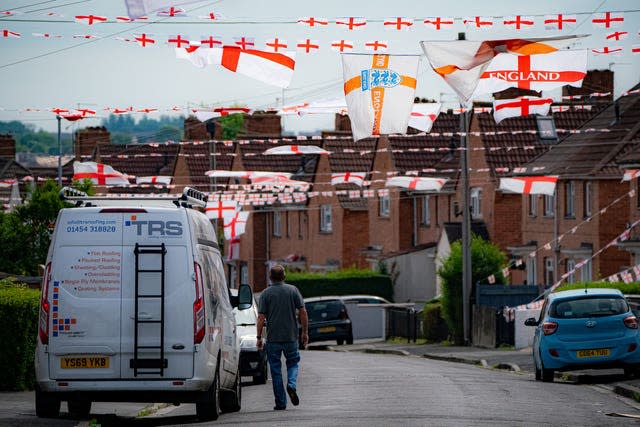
(522, 106)
(356, 178)
(559, 22)
(423, 115)
(98, 173)
(235, 226)
(233, 251)
(139, 8)
(295, 150)
(530, 184)
(274, 68)
(462, 62)
(416, 183)
(534, 72)
(159, 179)
(630, 174)
(221, 209)
(379, 90)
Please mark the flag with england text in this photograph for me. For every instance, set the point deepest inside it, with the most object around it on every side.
(98, 173)
(522, 106)
(461, 63)
(530, 184)
(534, 72)
(274, 68)
(379, 90)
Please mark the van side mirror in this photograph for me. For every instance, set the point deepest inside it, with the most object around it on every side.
(531, 321)
(245, 297)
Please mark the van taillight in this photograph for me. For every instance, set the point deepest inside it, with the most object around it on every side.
(549, 328)
(45, 307)
(198, 307)
(343, 314)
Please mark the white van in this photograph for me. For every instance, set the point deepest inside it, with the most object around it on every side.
(135, 307)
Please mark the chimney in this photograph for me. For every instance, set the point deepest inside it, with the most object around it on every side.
(195, 130)
(600, 81)
(87, 139)
(7, 147)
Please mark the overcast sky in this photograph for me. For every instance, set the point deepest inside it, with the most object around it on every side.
(71, 72)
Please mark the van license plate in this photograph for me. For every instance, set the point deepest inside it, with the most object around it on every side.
(327, 329)
(91, 362)
(596, 352)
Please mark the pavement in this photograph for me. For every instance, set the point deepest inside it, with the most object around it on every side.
(518, 361)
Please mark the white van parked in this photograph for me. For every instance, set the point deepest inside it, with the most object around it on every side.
(135, 307)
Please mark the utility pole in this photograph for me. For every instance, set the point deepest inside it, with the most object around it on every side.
(466, 220)
(59, 118)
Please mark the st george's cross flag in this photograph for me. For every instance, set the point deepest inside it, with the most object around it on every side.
(530, 184)
(416, 183)
(160, 179)
(356, 178)
(139, 8)
(462, 62)
(98, 173)
(379, 90)
(534, 72)
(423, 115)
(221, 209)
(235, 225)
(274, 68)
(522, 106)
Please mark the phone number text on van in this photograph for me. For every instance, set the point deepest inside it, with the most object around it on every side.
(91, 229)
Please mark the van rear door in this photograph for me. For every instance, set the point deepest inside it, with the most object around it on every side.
(85, 295)
(159, 344)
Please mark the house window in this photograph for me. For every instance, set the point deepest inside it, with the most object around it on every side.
(426, 213)
(532, 278)
(571, 265)
(533, 205)
(569, 199)
(384, 206)
(244, 273)
(548, 271)
(277, 224)
(325, 218)
(476, 202)
(546, 128)
(585, 272)
(587, 199)
(549, 202)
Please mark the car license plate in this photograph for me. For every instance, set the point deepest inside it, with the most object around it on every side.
(327, 329)
(595, 352)
(89, 362)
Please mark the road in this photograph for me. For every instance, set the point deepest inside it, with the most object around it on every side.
(338, 389)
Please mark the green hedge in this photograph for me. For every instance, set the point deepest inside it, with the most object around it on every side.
(344, 282)
(434, 326)
(19, 313)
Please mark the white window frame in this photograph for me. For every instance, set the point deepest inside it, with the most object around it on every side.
(549, 205)
(571, 264)
(549, 271)
(533, 205)
(532, 277)
(326, 219)
(384, 206)
(588, 199)
(569, 199)
(585, 272)
(277, 224)
(476, 202)
(426, 210)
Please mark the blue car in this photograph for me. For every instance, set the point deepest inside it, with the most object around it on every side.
(585, 329)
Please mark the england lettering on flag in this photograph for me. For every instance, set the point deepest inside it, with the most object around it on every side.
(379, 90)
(423, 115)
(356, 178)
(530, 184)
(98, 173)
(461, 63)
(416, 183)
(534, 72)
(522, 106)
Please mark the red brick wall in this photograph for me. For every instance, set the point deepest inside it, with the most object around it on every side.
(85, 140)
(506, 229)
(355, 237)
(257, 256)
(7, 147)
(383, 231)
(611, 225)
(404, 220)
(195, 130)
(262, 124)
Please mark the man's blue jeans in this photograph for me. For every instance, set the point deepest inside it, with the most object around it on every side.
(292, 356)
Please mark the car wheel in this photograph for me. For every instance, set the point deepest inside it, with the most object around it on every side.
(547, 374)
(350, 338)
(79, 409)
(231, 400)
(208, 407)
(47, 405)
(340, 341)
(632, 372)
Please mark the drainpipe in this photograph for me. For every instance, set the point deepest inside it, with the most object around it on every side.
(414, 240)
(556, 244)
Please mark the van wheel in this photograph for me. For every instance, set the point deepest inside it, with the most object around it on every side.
(208, 407)
(47, 405)
(231, 400)
(79, 409)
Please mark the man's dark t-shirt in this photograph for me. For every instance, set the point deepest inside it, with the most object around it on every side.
(278, 303)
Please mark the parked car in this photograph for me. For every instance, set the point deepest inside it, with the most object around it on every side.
(328, 320)
(253, 361)
(585, 329)
(364, 299)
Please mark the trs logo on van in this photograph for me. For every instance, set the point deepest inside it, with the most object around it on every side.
(155, 228)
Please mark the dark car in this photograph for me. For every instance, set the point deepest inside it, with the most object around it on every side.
(328, 320)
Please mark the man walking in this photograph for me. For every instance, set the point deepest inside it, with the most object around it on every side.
(278, 305)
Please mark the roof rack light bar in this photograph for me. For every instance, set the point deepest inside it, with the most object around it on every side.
(190, 197)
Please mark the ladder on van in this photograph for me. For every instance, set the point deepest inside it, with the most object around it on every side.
(141, 363)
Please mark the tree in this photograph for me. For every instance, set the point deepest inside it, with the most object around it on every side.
(231, 125)
(486, 260)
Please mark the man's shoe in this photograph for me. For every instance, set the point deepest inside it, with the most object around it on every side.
(293, 395)
(279, 408)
